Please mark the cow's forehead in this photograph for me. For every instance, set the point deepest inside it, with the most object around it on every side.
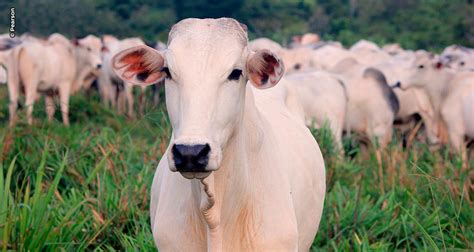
(201, 33)
(198, 29)
(207, 41)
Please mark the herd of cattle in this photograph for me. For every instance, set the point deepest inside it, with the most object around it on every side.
(382, 86)
(363, 89)
(57, 66)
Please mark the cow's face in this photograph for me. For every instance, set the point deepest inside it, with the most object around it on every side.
(206, 66)
(89, 50)
(298, 60)
(422, 72)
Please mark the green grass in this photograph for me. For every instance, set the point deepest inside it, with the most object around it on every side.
(87, 187)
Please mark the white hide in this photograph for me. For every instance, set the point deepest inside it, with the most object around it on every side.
(324, 101)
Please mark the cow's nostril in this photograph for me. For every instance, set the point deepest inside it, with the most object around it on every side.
(99, 66)
(191, 158)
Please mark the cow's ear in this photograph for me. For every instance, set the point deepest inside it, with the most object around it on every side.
(104, 49)
(75, 42)
(140, 65)
(438, 65)
(264, 69)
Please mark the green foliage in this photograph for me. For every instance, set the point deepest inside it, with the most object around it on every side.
(427, 24)
(81, 187)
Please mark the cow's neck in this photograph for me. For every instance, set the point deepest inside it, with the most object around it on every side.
(439, 88)
(81, 71)
(226, 196)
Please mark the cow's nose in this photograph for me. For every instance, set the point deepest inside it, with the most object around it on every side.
(98, 66)
(191, 158)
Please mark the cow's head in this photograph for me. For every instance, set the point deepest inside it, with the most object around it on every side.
(89, 51)
(423, 71)
(206, 66)
(298, 60)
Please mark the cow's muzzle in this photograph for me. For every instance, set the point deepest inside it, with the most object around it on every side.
(191, 158)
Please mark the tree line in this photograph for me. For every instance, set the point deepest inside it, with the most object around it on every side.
(427, 24)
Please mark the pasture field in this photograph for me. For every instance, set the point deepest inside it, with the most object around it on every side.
(86, 187)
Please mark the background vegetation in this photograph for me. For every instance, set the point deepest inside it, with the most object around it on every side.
(416, 24)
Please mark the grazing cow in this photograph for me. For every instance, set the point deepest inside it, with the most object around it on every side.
(307, 39)
(328, 56)
(59, 74)
(87, 72)
(393, 49)
(364, 45)
(252, 176)
(458, 58)
(451, 94)
(114, 90)
(372, 104)
(413, 101)
(369, 53)
(324, 100)
(299, 59)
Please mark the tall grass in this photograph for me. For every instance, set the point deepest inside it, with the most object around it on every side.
(87, 187)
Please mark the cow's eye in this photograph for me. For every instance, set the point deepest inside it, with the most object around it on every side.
(462, 63)
(297, 66)
(167, 72)
(235, 75)
(421, 66)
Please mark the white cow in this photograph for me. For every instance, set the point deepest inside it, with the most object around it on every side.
(458, 58)
(372, 105)
(451, 94)
(412, 101)
(369, 53)
(58, 74)
(252, 176)
(88, 73)
(299, 59)
(112, 88)
(364, 45)
(328, 56)
(393, 49)
(324, 100)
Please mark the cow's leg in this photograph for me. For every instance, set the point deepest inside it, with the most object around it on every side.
(64, 93)
(456, 131)
(103, 83)
(13, 93)
(336, 126)
(30, 93)
(382, 134)
(113, 95)
(141, 101)
(129, 98)
(431, 128)
(50, 107)
(120, 101)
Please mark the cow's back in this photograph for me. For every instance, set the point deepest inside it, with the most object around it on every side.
(59, 67)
